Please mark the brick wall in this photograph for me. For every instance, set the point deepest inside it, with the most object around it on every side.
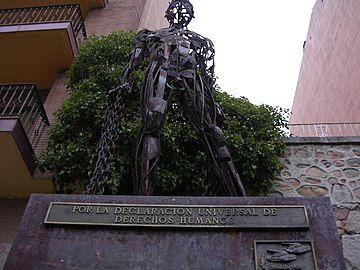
(329, 81)
(317, 167)
(118, 14)
(56, 97)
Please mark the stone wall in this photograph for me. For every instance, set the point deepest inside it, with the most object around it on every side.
(317, 167)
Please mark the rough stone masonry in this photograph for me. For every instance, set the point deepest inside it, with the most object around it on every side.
(317, 167)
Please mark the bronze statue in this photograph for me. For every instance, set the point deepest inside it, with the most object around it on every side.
(181, 63)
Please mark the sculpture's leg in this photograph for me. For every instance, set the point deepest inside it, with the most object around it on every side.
(147, 146)
(108, 136)
(220, 155)
(218, 158)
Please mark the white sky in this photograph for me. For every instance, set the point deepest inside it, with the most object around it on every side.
(258, 45)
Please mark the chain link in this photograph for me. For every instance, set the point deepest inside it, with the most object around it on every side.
(110, 125)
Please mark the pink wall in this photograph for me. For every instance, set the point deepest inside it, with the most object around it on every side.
(328, 88)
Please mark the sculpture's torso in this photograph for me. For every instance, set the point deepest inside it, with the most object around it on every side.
(179, 51)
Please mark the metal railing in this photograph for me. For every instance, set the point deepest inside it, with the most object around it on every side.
(23, 101)
(325, 129)
(46, 14)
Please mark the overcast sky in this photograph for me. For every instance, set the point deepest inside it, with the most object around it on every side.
(258, 45)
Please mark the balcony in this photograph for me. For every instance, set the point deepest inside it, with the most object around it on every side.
(85, 5)
(37, 42)
(22, 121)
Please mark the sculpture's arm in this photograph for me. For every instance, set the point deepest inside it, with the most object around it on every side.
(136, 57)
(206, 66)
(113, 116)
(209, 76)
(207, 62)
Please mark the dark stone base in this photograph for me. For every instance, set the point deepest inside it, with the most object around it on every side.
(40, 246)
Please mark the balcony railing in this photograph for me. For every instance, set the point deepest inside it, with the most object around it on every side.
(46, 14)
(325, 129)
(23, 101)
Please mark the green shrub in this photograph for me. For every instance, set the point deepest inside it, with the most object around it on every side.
(254, 133)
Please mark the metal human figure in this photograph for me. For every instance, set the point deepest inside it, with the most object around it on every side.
(181, 63)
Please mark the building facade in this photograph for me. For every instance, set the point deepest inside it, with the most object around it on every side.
(327, 97)
(38, 42)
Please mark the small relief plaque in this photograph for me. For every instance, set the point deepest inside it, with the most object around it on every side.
(284, 255)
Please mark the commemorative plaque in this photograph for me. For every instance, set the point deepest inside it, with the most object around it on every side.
(142, 232)
(209, 216)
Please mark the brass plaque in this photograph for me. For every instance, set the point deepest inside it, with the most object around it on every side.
(209, 216)
(285, 255)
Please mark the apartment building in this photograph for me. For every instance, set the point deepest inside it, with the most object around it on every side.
(38, 42)
(327, 97)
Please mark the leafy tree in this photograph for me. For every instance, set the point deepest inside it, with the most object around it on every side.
(254, 133)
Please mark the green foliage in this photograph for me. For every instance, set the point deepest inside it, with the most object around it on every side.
(253, 133)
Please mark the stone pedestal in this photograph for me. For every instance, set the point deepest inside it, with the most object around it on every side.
(54, 246)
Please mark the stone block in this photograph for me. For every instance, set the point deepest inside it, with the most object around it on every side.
(320, 155)
(353, 162)
(353, 222)
(339, 163)
(351, 173)
(341, 193)
(316, 172)
(337, 173)
(341, 213)
(340, 224)
(312, 191)
(333, 154)
(333, 180)
(357, 193)
(351, 247)
(302, 152)
(311, 180)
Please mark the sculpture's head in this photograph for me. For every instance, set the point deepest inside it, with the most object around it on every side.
(179, 13)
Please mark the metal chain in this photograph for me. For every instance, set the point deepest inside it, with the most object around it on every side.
(110, 125)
